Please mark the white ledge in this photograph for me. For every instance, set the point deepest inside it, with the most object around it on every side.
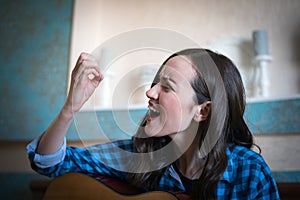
(271, 99)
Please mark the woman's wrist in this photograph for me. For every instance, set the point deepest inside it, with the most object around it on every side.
(67, 113)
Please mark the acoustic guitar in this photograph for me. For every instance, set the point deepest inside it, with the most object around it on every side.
(80, 186)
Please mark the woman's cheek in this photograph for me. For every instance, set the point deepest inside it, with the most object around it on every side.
(173, 108)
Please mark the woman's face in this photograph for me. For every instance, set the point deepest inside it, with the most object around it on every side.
(172, 103)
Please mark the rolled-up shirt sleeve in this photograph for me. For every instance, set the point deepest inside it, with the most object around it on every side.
(45, 161)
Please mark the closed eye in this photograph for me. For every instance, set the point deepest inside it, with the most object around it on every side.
(166, 83)
(166, 87)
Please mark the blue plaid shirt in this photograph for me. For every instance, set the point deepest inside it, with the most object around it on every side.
(247, 176)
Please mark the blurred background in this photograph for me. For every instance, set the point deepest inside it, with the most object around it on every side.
(40, 41)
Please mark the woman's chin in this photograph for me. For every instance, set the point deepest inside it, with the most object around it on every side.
(151, 132)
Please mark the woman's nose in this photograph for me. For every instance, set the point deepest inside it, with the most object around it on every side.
(153, 92)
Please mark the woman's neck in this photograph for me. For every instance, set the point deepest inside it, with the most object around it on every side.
(190, 163)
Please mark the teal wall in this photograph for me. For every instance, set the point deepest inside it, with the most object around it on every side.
(34, 56)
(280, 116)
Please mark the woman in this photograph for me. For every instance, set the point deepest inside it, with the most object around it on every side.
(193, 138)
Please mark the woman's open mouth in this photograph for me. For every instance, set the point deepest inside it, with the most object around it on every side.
(153, 112)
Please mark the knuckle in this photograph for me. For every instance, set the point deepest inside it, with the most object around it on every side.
(83, 56)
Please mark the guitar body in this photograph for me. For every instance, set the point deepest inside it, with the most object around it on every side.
(80, 186)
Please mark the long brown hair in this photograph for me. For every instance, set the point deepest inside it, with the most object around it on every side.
(234, 129)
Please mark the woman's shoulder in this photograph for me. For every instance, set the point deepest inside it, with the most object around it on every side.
(248, 171)
(244, 163)
(241, 153)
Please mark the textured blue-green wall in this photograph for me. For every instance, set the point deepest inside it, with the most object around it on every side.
(276, 116)
(34, 55)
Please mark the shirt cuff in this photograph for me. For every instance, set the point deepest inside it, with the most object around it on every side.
(45, 161)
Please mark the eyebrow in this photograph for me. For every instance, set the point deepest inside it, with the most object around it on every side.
(166, 79)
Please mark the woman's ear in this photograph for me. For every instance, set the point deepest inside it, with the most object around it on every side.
(202, 111)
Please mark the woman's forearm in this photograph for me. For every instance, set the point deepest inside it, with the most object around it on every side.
(53, 138)
(81, 88)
